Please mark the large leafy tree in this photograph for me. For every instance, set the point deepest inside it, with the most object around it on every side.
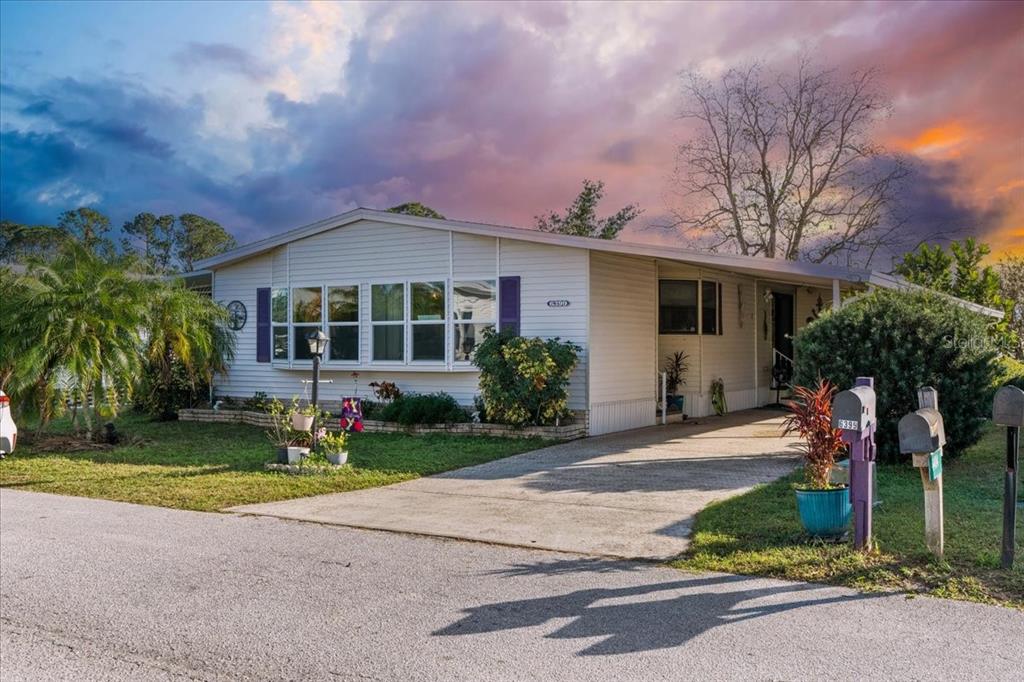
(151, 237)
(415, 208)
(196, 238)
(90, 227)
(580, 218)
(960, 272)
(18, 243)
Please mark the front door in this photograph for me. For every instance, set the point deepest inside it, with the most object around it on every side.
(782, 340)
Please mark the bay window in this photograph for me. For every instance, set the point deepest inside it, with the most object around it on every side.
(387, 313)
(343, 323)
(428, 320)
(474, 310)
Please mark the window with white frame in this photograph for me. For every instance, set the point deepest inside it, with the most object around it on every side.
(343, 323)
(678, 304)
(307, 317)
(473, 311)
(428, 321)
(387, 321)
(279, 323)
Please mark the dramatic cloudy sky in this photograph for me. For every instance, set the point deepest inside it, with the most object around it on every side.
(265, 116)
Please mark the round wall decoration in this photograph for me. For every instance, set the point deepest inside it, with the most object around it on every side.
(236, 315)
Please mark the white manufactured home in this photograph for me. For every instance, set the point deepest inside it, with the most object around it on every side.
(404, 299)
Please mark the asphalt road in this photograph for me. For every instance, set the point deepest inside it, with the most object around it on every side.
(101, 590)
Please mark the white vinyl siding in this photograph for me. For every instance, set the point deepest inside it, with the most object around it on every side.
(366, 253)
(623, 328)
(553, 273)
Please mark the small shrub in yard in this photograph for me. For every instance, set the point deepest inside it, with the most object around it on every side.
(525, 380)
(905, 341)
(430, 408)
(259, 402)
(162, 394)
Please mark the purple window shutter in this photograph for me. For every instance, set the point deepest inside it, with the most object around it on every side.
(508, 316)
(263, 325)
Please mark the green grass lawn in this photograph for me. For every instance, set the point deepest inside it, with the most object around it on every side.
(760, 533)
(190, 465)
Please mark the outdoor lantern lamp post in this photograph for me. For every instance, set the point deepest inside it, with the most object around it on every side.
(317, 345)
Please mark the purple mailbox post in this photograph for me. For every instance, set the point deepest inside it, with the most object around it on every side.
(853, 412)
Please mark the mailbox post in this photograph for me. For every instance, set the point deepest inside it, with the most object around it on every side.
(853, 412)
(1008, 411)
(922, 436)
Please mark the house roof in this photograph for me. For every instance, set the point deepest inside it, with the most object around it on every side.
(768, 268)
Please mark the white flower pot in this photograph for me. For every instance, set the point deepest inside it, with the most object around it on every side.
(302, 422)
(338, 457)
(291, 455)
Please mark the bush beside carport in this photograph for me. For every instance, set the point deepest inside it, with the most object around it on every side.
(906, 340)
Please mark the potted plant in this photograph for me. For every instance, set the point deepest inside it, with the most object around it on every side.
(292, 446)
(332, 446)
(302, 417)
(824, 506)
(675, 368)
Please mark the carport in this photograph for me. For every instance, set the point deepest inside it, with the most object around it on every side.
(631, 494)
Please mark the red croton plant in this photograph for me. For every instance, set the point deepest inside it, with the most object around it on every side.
(811, 417)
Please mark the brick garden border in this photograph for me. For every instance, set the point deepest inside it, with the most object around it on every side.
(578, 429)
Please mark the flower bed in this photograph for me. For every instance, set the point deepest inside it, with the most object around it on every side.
(565, 432)
(577, 429)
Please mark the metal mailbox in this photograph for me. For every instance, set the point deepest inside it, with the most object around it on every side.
(854, 409)
(1008, 407)
(922, 431)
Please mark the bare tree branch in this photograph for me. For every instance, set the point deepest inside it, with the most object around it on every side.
(782, 166)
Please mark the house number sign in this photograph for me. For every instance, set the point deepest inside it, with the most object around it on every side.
(558, 303)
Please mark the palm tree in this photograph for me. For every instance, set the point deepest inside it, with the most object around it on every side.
(186, 331)
(82, 316)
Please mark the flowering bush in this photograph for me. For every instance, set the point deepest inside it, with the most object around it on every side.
(329, 442)
(525, 380)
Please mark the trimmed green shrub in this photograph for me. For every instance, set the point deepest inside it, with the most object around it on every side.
(905, 341)
(524, 380)
(430, 408)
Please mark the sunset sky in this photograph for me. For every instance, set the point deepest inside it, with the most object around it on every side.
(265, 116)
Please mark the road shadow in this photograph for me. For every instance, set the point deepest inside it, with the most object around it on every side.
(657, 615)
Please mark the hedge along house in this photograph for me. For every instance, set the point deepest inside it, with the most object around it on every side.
(405, 299)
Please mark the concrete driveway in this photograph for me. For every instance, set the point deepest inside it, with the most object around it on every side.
(632, 494)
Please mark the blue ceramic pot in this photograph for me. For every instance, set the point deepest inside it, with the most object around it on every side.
(824, 513)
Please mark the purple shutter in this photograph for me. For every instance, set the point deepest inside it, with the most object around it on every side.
(263, 325)
(508, 315)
